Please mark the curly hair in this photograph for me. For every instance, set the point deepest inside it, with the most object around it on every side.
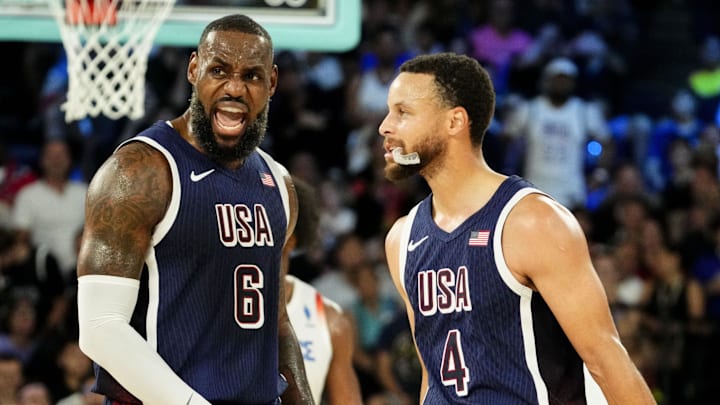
(461, 82)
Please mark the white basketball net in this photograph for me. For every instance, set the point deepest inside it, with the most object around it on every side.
(107, 49)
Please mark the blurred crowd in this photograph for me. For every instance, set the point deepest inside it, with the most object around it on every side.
(642, 177)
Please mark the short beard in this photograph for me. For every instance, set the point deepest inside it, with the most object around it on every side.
(430, 151)
(203, 132)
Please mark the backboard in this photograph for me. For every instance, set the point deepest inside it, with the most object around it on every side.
(321, 25)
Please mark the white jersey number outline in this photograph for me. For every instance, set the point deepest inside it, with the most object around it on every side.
(249, 299)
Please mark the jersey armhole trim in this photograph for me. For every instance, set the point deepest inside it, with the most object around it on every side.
(510, 281)
(404, 240)
(163, 227)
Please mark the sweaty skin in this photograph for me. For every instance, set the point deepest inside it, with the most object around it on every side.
(233, 76)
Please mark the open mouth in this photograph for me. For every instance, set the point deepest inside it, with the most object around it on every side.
(230, 119)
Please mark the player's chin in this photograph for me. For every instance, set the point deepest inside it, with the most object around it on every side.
(394, 172)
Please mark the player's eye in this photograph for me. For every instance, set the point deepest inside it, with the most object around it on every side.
(253, 75)
(217, 71)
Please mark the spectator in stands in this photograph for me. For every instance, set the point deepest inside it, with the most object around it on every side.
(85, 396)
(13, 176)
(498, 42)
(706, 269)
(631, 134)
(631, 214)
(625, 289)
(34, 271)
(73, 368)
(602, 69)
(682, 123)
(303, 119)
(423, 40)
(398, 367)
(555, 128)
(11, 377)
(674, 308)
(336, 215)
(336, 281)
(691, 207)
(449, 20)
(626, 182)
(608, 272)
(34, 393)
(19, 334)
(632, 272)
(371, 311)
(378, 67)
(366, 91)
(679, 174)
(50, 211)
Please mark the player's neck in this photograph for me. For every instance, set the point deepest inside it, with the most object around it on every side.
(461, 197)
(457, 175)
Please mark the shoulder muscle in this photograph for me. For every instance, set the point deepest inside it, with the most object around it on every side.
(527, 253)
(126, 198)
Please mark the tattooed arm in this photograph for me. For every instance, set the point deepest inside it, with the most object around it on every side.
(126, 199)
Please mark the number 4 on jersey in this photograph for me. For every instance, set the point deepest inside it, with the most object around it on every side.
(454, 372)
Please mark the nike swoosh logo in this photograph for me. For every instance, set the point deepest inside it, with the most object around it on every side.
(197, 177)
(412, 245)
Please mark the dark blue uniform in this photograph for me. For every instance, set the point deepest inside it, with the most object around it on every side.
(484, 337)
(208, 298)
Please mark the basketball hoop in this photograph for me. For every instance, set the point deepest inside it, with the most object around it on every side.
(107, 43)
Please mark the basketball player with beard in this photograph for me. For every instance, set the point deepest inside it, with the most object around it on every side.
(502, 298)
(180, 297)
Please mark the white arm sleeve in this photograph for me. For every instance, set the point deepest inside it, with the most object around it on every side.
(105, 305)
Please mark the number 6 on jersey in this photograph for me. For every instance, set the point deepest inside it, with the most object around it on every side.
(249, 301)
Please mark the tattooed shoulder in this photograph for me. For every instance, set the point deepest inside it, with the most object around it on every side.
(127, 197)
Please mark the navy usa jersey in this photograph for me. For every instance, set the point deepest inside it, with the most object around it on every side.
(208, 300)
(484, 337)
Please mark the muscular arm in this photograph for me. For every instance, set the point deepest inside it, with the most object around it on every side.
(125, 200)
(392, 253)
(559, 267)
(341, 385)
(291, 360)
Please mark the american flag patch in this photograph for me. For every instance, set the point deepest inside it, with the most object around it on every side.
(479, 238)
(267, 179)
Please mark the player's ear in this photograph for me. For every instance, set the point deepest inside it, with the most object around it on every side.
(458, 120)
(273, 79)
(192, 68)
